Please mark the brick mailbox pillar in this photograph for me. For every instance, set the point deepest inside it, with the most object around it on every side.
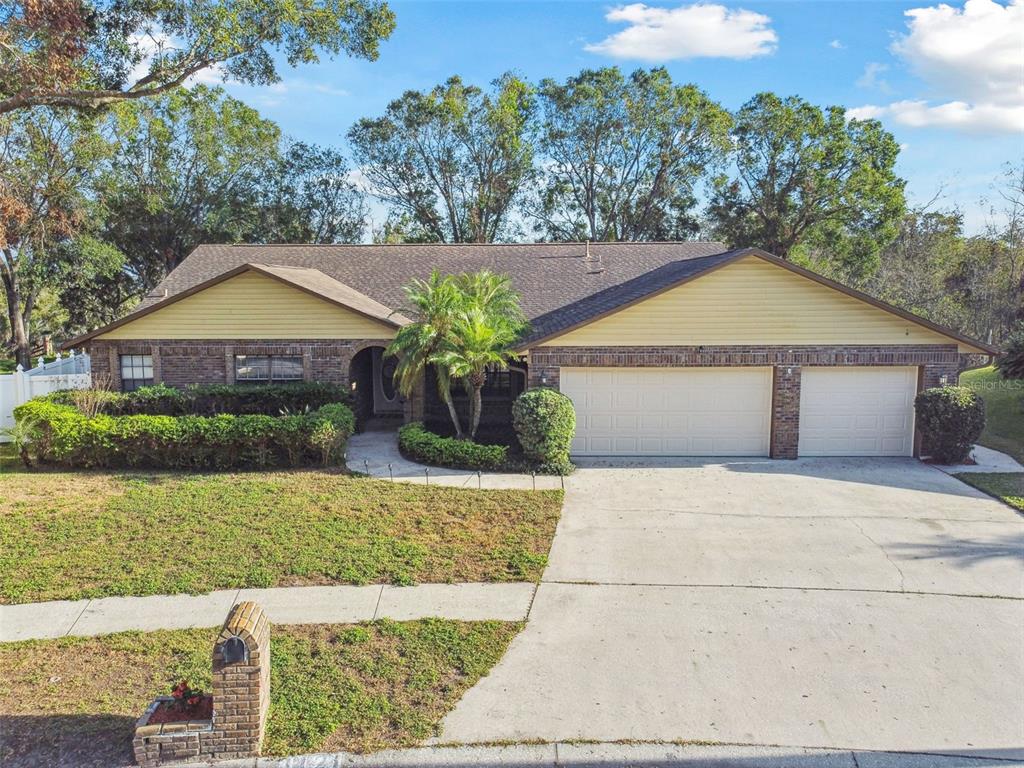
(241, 697)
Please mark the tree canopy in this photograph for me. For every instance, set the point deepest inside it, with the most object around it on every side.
(450, 163)
(809, 179)
(87, 54)
(622, 156)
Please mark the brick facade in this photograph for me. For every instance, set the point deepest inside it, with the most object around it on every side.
(933, 362)
(179, 363)
(241, 698)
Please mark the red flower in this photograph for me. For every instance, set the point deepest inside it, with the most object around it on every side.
(193, 700)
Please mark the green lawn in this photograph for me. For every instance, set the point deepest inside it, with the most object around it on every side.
(74, 701)
(69, 535)
(1006, 486)
(1004, 409)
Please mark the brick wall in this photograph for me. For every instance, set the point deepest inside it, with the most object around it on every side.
(179, 363)
(933, 362)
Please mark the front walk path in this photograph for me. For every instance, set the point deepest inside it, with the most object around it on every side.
(284, 605)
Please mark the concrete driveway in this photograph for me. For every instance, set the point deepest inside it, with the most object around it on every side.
(859, 604)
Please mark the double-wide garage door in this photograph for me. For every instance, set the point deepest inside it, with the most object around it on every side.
(848, 411)
(670, 411)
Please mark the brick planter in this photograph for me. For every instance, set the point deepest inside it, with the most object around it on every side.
(241, 697)
(167, 742)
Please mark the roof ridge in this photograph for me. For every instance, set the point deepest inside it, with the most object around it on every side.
(592, 243)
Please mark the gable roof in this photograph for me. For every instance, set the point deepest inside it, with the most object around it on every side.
(563, 285)
(658, 281)
(310, 281)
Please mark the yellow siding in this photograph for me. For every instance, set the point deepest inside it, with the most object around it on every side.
(252, 306)
(750, 301)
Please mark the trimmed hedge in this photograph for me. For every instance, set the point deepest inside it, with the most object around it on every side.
(545, 422)
(419, 444)
(65, 436)
(215, 399)
(951, 420)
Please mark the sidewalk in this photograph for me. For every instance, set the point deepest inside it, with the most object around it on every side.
(645, 755)
(986, 460)
(284, 605)
(376, 453)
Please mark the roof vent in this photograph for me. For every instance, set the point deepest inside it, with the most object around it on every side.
(593, 261)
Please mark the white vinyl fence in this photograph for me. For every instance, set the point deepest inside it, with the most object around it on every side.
(71, 372)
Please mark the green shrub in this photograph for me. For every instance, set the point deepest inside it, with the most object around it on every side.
(545, 422)
(419, 444)
(63, 435)
(950, 420)
(1010, 364)
(212, 399)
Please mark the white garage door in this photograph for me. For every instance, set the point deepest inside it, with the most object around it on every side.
(857, 411)
(670, 411)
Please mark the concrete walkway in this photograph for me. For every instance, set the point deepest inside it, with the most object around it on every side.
(284, 605)
(640, 755)
(985, 460)
(376, 454)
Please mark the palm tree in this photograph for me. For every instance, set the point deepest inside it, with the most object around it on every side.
(494, 295)
(483, 340)
(436, 304)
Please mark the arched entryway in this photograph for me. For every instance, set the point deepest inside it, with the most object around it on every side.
(371, 377)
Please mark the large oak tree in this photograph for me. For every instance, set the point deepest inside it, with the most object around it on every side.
(621, 156)
(450, 163)
(86, 54)
(807, 178)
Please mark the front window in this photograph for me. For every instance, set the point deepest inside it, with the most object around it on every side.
(136, 371)
(267, 369)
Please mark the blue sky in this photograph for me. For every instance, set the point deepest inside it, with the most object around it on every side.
(947, 81)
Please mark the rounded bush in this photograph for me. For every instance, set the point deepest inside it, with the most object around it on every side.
(545, 422)
(950, 420)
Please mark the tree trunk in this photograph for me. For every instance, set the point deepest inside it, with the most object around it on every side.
(19, 332)
(476, 408)
(447, 397)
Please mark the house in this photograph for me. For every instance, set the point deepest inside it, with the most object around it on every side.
(680, 348)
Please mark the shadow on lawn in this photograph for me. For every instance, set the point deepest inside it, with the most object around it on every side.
(66, 741)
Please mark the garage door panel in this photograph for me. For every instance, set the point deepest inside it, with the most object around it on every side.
(670, 411)
(857, 411)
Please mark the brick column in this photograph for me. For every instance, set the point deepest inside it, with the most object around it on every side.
(229, 365)
(155, 357)
(241, 689)
(785, 433)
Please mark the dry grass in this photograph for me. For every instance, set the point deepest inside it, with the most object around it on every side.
(74, 701)
(70, 535)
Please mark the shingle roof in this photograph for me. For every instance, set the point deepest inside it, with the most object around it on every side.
(316, 282)
(549, 276)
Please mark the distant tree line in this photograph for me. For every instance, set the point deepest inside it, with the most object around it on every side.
(106, 185)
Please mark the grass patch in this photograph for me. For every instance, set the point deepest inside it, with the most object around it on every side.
(70, 535)
(1005, 486)
(74, 701)
(1004, 410)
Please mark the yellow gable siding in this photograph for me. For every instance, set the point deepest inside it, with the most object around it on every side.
(749, 302)
(252, 306)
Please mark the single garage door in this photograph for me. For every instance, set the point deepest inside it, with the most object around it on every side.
(857, 411)
(670, 411)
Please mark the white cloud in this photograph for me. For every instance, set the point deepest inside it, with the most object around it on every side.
(687, 32)
(972, 59)
(837, 44)
(956, 115)
(872, 77)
